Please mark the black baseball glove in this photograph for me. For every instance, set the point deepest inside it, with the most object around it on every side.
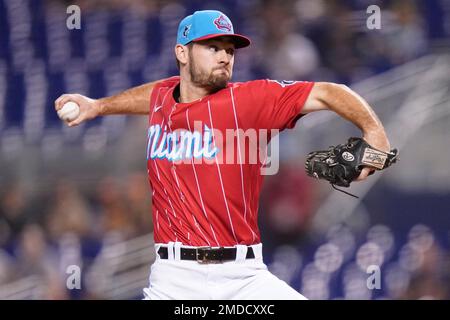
(342, 164)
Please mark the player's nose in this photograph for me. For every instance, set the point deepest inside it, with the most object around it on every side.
(223, 57)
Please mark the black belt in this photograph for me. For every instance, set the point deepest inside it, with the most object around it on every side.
(207, 254)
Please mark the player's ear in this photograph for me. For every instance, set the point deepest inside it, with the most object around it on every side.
(181, 53)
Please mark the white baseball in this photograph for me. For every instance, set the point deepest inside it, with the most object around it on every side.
(69, 111)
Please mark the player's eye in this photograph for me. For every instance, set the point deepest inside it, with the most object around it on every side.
(214, 48)
(230, 51)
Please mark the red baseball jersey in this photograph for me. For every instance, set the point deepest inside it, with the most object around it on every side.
(200, 197)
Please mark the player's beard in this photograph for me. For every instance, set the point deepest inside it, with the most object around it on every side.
(212, 81)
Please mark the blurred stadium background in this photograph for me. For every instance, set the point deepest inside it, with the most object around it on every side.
(80, 196)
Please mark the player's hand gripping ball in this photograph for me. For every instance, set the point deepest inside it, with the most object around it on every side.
(69, 111)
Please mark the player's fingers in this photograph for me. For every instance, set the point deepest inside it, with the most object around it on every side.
(77, 98)
(63, 100)
(75, 122)
(58, 104)
(364, 174)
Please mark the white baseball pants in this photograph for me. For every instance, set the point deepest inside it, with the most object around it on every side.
(242, 279)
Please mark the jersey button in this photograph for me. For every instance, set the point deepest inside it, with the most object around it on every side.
(169, 123)
(182, 197)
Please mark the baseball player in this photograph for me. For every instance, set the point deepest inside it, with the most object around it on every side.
(205, 212)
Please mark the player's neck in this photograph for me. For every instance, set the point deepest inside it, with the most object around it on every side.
(190, 92)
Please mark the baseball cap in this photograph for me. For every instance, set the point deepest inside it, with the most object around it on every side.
(208, 24)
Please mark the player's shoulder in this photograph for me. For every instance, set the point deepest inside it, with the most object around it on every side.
(264, 83)
(261, 89)
(169, 82)
(251, 83)
(249, 86)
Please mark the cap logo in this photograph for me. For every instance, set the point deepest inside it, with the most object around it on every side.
(186, 30)
(222, 23)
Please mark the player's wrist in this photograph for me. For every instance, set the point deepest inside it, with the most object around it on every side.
(99, 106)
(377, 138)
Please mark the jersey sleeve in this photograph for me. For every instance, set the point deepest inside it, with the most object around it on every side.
(272, 104)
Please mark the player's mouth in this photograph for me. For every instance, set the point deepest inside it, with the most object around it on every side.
(223, 70)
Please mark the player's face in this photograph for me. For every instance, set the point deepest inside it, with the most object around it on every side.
(211, 63)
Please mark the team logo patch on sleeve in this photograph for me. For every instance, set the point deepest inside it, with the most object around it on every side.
(284, 83)
(222, 23)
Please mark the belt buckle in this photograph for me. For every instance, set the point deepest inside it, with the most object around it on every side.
(202, 259)
(205, 259)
